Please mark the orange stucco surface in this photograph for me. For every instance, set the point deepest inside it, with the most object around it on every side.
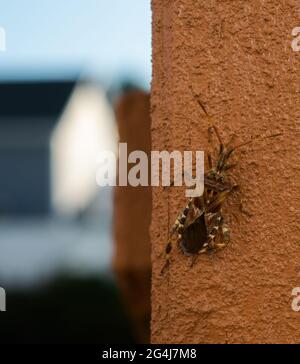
(237, 56)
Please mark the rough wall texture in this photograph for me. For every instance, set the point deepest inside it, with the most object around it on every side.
(237, 56)
(132, 215)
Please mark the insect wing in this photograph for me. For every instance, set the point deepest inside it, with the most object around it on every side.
(194, 236)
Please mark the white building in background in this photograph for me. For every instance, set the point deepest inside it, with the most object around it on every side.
(85, 128)
(50, 137)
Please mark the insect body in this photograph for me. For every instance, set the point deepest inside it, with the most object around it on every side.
(200, 226)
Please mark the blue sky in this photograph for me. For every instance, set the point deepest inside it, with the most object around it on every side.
(102, 38)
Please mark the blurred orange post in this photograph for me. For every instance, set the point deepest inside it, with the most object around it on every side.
(132, 214)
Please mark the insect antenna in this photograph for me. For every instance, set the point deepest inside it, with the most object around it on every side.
(199, 101)
(209, 117)
(219, 139)
(231, 150)
(225, 156)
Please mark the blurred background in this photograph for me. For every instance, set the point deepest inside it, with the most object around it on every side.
(74, 80)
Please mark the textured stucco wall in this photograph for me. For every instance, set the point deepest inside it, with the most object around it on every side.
(237, 56)
(132, 215)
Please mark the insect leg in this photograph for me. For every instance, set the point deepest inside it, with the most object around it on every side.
(167, 257)
(214, 229)
(177, 227)
(217, 203)
(210, 164)
(224, 236)
(231, 141)
(242, 209)
(229, 166)
(194, 259)
(168, 250)
(209, 158)
(180, 221)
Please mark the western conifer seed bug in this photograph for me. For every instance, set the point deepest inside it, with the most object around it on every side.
(200, 227)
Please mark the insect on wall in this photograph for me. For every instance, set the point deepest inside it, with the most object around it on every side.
(201, 226)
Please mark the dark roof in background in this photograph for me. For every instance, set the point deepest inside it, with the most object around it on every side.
(34, 99)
